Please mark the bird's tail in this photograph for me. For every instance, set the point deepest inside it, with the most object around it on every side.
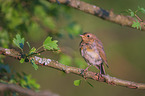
(101, 68)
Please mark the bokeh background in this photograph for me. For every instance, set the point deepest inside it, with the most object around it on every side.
(124, 47)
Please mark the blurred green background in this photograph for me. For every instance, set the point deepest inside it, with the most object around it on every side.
(35, 20)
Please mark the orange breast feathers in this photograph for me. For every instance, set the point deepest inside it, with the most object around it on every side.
(92, 53)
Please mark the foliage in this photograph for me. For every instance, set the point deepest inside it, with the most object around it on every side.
(34, 64)
(136, 25)
(32, 17)
(77, 82)
(135, 16)
(26, 81)
(33, 50)
(49, 44)
(35, 19)
(10, 77)
(18, 41)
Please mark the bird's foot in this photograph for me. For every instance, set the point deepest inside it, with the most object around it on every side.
(100, 76)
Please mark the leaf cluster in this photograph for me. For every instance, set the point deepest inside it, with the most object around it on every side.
(48, 44)
(136, 23)
(7, 76)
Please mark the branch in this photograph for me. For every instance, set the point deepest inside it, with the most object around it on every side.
(99, 12)
(23, 91)
(68, 69)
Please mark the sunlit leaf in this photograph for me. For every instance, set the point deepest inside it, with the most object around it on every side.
(136, 25)
(22, 60)
(141, 9)
(18, 41)
(49, 44)
(34, 64)
(132, 14)
(33, 50)
(77, 82)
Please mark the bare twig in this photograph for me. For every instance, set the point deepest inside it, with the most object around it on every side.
(23, 91)
(68, 69)
(99, 12)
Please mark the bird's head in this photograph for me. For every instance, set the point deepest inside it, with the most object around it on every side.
(87, 37)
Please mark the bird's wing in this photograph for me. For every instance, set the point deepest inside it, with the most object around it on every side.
(81, 48)
(101, 51)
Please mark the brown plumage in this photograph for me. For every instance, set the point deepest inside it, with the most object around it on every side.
(92, 51)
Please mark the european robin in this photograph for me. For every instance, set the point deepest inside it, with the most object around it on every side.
(92, 50)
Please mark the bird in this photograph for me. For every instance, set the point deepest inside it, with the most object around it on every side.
(92, 50)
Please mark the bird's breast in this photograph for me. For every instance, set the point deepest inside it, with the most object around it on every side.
(92, 53)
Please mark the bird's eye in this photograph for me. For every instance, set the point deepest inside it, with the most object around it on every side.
(88, 35)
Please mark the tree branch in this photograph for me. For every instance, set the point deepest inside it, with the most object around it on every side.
(23, 91)
(99, 12)
(68, 69)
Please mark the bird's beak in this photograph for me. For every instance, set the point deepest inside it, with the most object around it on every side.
(81, 35)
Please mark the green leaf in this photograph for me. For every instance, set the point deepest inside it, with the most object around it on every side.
(34, 64)
(141, 9)
(28, 45)
(18, 41)
(65, 59)
(77, 82)
(27, 81)
(49, 44)
(22, 60)
(132, 14)
(130, 10)
(33, 50)
(136, 25)
(90, 84)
